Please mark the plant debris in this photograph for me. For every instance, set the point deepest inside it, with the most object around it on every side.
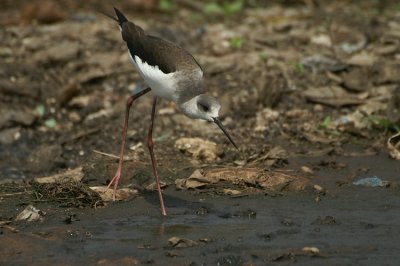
(67, 194)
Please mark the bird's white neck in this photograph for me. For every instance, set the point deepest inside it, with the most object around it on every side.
(189, 108)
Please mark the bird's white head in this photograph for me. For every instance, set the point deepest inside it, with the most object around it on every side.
(202, 106)
(205, 107)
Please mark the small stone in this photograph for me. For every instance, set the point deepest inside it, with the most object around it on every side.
(232, 192)
(30, 214)
(318, 188)
(178, 242)
(74, 117)
(264, 118)
(307, 170)
(10, 135)
(198, 149)
(122, 194)
(318, 108)
(313, 250)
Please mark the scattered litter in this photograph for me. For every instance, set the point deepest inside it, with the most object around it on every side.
(232, 192)
(122, 194)
(50, 123)
(178, 242)
(318, 188)
(167, 111)
(264, 118)
(334, 96)
(198, 149)
(313, 250)
(321, 39)
(307, 170)
(275, 156)
(67, 194)
(30, 214)
(138, 147)
(354, 79)
(320, 63)
(371, 182)
(195, 180)
(347, 39)
(393, 144)
(10, 135)
(205, 240)
(153, 186)
(249, 177)
(362, 59)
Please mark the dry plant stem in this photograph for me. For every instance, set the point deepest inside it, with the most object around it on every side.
(150, 145)
(106, 154)
(117, 175)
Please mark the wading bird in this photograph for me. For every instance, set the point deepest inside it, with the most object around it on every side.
(171, 73)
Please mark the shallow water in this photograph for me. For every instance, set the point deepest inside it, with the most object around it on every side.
(351, 225)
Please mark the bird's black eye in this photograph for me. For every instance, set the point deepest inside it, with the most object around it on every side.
(203, 107)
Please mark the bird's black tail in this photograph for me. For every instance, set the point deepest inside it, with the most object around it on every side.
(121, 17)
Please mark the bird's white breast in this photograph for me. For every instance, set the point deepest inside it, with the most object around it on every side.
(163, 85)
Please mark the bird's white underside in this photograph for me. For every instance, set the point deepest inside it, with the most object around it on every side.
(163, 85)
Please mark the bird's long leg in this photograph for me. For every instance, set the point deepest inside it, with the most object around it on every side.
(129, 103)
(150, 145)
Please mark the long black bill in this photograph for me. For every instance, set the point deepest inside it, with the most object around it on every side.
(219, 124)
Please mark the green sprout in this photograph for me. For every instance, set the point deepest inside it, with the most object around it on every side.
(165, 5)
(264, 56)
(41, 110)
(382, 122)
(236, 42)
(299, 68)
(227, 8)
(327, 121)
(234, 7)
(50, 123)
(213, 8)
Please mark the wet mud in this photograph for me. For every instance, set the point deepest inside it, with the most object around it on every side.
(309, 91)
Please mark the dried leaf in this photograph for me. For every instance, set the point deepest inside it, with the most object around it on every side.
(122, 194)
(393, 144)
(313, 250)
(153, 186)
(232, 192)
(362, 59)
(333, 96)
(198, 148)
(195, 180)
(178, 242)
(30, 214)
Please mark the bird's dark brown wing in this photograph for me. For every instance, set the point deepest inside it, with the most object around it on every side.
(155, 51)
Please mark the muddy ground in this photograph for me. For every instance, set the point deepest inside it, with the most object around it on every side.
(309, 90)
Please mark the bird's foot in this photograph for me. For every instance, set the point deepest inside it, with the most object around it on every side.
(114, 181)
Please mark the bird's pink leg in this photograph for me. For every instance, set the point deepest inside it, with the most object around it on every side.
(150, 145)
(117, 175)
